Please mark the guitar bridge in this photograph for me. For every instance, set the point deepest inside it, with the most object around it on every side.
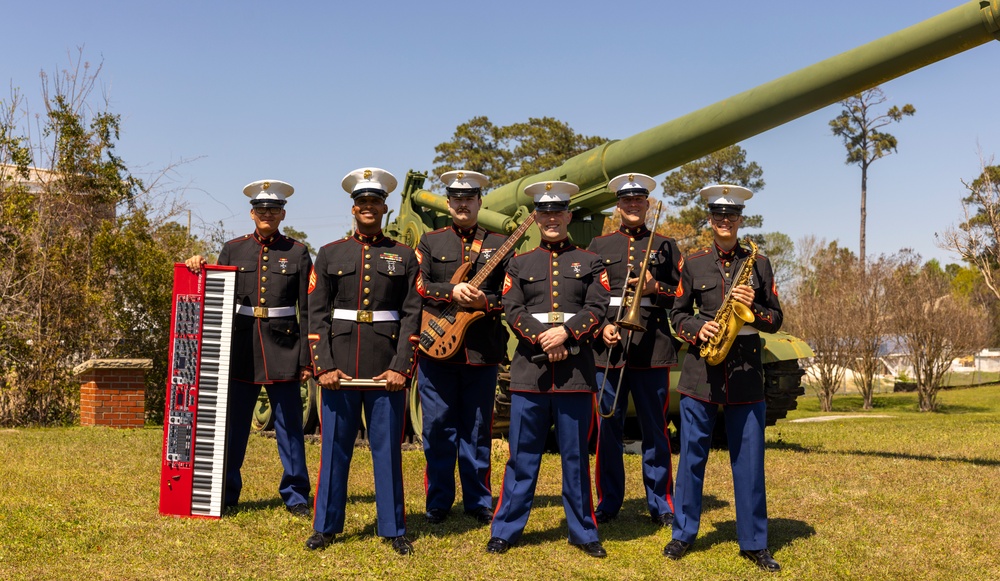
(426, 341)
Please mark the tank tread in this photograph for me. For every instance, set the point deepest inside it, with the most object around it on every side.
(782, 387)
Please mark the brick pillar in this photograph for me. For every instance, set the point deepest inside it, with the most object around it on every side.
(113, 392)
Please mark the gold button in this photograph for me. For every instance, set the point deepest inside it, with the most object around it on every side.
(530, 278)
(368, 290)
(282, 271)
(554, 263)
(727, 263)
(264, 268)
(368, 256)
(316, 357)
(263, 289)
(242, 268)
(367, 247)
(367, 278)
(264, 258)
(555, 273)
(365, 302)
(555, 293)
(466, 258)
(555, 283)
(631, 248)
(444, 257)
(262, 300)
(263, 279)
(631, 258)
(555, 305)
(367, 266)
(555, 255)
(265, 249)
(467, 247)
(394, 336)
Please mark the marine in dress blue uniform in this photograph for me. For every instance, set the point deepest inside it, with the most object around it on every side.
(737, 383)
(364, 309)
(457, 394)
(646, 363)
(555, 299)
(268, 348)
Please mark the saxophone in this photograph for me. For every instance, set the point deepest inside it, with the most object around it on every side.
(731, 315)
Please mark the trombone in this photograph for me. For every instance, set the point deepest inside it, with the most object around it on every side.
(630, 321)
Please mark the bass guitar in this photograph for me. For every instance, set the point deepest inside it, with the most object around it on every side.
(442, 330)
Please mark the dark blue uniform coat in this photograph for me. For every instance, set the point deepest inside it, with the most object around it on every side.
(268, 352)
(647, 379)
(363, 274)
(737, 383)
(457, 394)
(554, 278)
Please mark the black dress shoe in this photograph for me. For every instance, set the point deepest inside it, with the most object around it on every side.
(319, 541)
(401, 545)
(593, 549)
(664, 520)
(675, 549)
(436, 516)
(497, 546)
(482, 514)
(763, 560)
(604, 517)
(300, 510)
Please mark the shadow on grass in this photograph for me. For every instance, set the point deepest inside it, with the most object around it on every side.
(634, 521)
(254, 506)
(781, 532)
(790, 447)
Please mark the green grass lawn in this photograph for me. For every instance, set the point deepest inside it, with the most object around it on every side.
(909, 496)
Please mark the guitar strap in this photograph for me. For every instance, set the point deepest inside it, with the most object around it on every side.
(477, 245)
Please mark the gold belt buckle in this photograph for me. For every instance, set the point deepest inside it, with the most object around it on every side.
(365, 316)
(557, 317)
(260, 312)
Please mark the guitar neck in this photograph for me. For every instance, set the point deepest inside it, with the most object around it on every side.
(501, 252)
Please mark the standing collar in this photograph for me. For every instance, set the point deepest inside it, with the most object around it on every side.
(559, 246)
(735, 252)
(466, 234)
(368, 239)
(637, 232)
(269, 240)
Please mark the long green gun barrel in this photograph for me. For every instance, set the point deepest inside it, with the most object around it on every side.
(749, 113)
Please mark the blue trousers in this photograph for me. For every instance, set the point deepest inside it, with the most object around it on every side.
(650, 390)
(745, 431)
(457, 404)
(286, 405)
(341, 418)
(531, 416)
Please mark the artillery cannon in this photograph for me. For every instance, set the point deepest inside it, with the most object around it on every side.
(674, 143)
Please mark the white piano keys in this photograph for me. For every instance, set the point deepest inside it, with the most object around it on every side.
(213, 395)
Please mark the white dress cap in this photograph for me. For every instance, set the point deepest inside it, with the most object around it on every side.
(460, 182)
(552, 196)
(725, 197)
(369, 180)
(632, 184)
(268, 193)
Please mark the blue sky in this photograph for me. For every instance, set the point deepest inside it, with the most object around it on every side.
(305, 92)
